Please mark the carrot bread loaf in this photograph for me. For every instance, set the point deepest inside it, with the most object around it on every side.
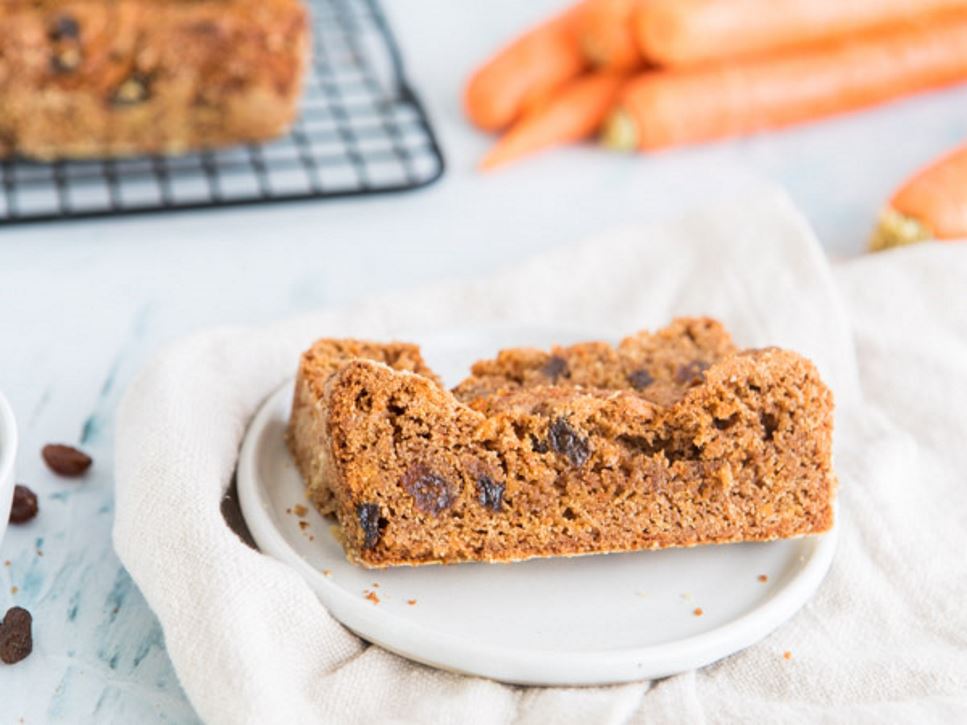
(669, 439)
(83, 78)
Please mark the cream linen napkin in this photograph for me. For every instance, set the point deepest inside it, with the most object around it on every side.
(884, 639)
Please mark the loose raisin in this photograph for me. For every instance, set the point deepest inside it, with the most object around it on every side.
(430, 491)
(369, 521)
(24, 505)
(16, 640)
(490, 493)
(640, 379)
(555, 367)
(566, 441)
(65, 460)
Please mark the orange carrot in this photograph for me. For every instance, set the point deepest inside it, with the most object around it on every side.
(536, 101)
(574, 114)
(537, 62)
(670, 108)
(685, 32)
(932, 204)
(606, 34)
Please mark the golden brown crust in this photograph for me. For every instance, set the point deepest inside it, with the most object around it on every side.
(84, 79)
(416, 476)
(661, 365)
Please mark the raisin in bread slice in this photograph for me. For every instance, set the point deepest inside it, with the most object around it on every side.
(415, 476)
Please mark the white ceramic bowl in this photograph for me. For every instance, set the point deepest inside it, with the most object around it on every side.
(8, 452)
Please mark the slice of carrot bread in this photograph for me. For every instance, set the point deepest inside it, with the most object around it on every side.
(552, 465)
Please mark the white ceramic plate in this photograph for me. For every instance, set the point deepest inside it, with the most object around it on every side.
(8, 452)
(580, 621)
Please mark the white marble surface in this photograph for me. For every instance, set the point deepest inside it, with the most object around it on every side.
(82, 307)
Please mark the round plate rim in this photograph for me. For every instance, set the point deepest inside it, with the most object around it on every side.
(519, 665)
(8, 457)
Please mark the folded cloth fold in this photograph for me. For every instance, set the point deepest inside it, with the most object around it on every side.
(883, 639)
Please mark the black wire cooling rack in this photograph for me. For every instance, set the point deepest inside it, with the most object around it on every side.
(362, 130)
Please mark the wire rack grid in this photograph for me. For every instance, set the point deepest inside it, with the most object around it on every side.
(362, 130)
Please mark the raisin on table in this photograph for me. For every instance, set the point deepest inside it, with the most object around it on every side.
(65, 460)
(24, 506)
(16, 638)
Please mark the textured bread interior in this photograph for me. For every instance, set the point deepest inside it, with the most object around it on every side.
(668, 439)
(111, 78)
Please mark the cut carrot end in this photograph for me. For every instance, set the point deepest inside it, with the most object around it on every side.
(620, 131)
(897, 230)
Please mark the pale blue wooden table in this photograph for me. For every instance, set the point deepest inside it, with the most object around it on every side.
(82, 307)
